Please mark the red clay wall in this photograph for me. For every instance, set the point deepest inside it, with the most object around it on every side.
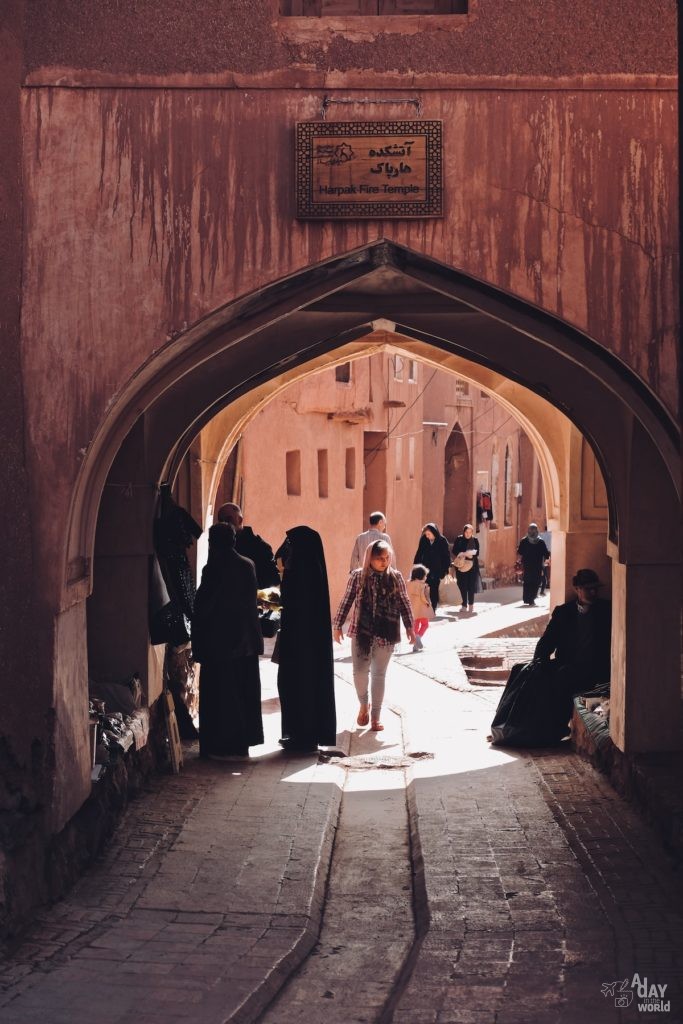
(147, 209)
(500, 37)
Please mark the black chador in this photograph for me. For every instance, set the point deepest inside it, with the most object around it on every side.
(226, 639)
(305, 678)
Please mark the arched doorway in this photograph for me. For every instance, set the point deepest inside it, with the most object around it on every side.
(249, 347)
(458, 483)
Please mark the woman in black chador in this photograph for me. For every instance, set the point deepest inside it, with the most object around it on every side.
(305, 678)
(226, 639)
(434, 553)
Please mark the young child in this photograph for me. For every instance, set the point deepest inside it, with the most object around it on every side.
(418, 595)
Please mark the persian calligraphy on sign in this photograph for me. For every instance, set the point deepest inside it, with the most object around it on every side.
(369, 169)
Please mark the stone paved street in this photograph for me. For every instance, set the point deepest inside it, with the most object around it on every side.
(426, 879)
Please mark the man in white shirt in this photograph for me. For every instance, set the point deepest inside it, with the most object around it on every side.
(378, 524)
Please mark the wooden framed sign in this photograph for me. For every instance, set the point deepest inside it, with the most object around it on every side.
(359, 169)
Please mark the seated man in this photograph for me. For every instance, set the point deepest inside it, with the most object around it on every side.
(250, 545)
(579, 634)
(573, 656)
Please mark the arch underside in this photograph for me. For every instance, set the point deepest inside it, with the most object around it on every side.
(329, 313)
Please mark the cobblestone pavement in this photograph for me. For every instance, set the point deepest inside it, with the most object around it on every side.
(210, 893)
(533, 885)
(368, 926)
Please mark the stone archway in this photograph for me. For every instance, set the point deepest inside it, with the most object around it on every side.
(321, 313)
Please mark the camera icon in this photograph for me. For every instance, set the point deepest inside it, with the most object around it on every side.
(624, 1000)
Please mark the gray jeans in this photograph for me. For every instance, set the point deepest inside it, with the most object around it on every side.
(372, 667)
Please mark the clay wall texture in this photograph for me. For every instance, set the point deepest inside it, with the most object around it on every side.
(147, 209)
(246, 36)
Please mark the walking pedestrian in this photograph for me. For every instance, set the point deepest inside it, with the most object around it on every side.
(433, 552)
(376, 531)
(466, 560)
(377, 594)
(418, 595)
(534, 554)
(226, 639)
(305, 678)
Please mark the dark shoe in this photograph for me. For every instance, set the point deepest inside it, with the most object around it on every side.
(297, 746)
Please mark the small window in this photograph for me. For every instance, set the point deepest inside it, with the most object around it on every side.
(411, 458)
(293, 471)
(412, 371)
(398, 368)
(462, 388)
(342, 373)
(350, 468)
(399, 458)
(323, 480)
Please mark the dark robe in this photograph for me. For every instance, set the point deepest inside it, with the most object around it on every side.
(174, 532)
(581, 642)
(468, 582)
(250, 545)
(537, 702)
(533, 556)
(305, 677)
(226, 639)
(436, 557)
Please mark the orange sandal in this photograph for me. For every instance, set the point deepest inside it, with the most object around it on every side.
(363, 714)
(377, 727)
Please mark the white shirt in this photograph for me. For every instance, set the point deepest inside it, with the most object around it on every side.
(361, 546)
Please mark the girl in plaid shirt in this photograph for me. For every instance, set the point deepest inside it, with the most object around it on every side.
(377, 594)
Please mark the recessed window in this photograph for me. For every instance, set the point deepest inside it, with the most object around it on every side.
(323, 479)
(412, 371)
(399, 458)
(350, 468)
(365, 8)
(342, 373)
(293, 471)
(462, 388)
(411, 458)
(398, 368)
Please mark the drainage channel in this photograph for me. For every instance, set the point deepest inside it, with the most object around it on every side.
(374, 912)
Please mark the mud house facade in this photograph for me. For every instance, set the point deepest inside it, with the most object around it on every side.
(392, 433)
(156, 284)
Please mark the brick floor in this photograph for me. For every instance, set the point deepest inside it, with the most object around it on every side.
(533, 885)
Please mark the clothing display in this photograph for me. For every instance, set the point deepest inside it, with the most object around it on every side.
(172, 587)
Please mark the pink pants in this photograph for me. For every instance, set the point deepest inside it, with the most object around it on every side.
(421, 626)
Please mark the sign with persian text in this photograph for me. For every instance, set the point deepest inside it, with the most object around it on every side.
(360, 169)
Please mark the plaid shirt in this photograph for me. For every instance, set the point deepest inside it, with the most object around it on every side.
(351, 599)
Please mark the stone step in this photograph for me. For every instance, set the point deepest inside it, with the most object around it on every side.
(482, 677)
(481, 660)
